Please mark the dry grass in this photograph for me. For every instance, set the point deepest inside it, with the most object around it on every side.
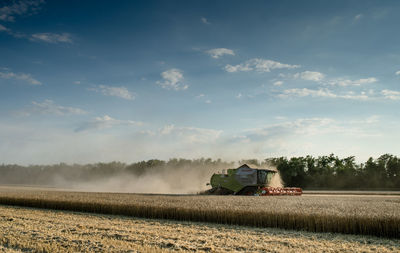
(28, 229)
(367, 215)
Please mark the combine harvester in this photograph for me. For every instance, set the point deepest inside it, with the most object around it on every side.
(248, 181)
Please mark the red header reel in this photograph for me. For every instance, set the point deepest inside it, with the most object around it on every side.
(278, 191)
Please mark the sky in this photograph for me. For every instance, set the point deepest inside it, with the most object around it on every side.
(100, 81)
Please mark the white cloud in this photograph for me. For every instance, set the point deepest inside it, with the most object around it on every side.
(9, 12)
(218, 52)
(320, 78)
(310, 76)
(205, 21)
(391, 94)
(307, 92)
(347, 82)
(121, 92)
(259, 65)
(398, 73)
(53, 38)
(172, 79)
(240, 67)
(239, 95)
(77, 82)
(350, 95)
(278, 83)
(304, 92)
(49, 107)
(105, 122)
(358, 17)
(24, 77)
(202, 97)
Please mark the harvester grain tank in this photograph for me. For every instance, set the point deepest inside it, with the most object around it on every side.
(247, 181)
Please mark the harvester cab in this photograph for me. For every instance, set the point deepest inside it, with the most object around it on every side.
(247, 181)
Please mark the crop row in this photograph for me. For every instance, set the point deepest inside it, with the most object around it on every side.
(377, 225)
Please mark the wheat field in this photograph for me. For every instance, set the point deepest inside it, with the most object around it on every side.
(38, 230)
(367, 215)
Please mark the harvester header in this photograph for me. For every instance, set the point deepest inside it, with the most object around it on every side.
(245, 180)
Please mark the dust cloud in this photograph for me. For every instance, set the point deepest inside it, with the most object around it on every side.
(162, 180)
(153, 176)
(276, 180)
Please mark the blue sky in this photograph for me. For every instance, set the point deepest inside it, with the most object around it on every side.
(133, 80)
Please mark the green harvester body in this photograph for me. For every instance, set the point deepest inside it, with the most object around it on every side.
(241, 181)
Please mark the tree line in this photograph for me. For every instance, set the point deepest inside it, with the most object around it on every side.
(309, 172)
(332, 172)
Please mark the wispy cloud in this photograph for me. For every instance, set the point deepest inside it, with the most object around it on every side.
(173, 79)
(21, 76)
(48, 107)
(348, 82)
(398, 73)
(391, 94)
(278, 83)
(105, 122)
(204, 98)
(3, 28)
(205, 21)
(121, 92)
(321, 78)
(358, 17)
(190, 134)
(310, 76)
(307, 92)
(18, 8)
(304, 127)
(52, 38)
(12, 33)
(304, 92)
(218, 52)
(259, 65)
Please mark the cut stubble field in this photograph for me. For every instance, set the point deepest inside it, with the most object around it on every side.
(376, 215)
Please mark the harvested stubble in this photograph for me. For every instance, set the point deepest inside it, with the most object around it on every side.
(373, 215)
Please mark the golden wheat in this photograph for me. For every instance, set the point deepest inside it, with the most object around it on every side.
(368, 215)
